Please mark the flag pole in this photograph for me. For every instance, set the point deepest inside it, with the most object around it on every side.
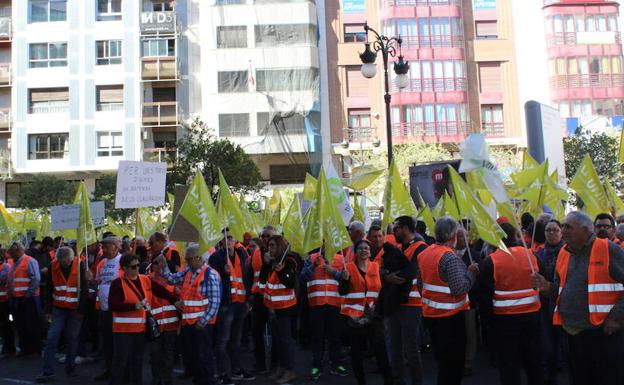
(462, 226)
(526, 250)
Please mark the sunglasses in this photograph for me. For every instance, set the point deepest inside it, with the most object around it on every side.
(133, 267)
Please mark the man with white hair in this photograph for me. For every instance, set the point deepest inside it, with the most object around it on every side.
(357, 232)
(589, 292)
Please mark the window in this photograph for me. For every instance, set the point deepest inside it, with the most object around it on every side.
(109, 143)
(42, 11)
(232, 36)
(108, 52)
(159, 48)
(354, 33)
(12, 191)
(272, 35)
(233, 81)
(47, 55)
(279, 123)
(48, 100)
(108, 10)
(109, 97)
(162, 6)
(359, 125)
(486, 30)
(48, 146)
(491, 116)
(233, 125)
(286, 79)
(357, 84)
(490, 77)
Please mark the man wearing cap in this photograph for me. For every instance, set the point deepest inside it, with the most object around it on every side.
(107, 271)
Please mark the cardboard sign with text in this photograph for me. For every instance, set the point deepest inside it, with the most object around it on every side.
(140, 184)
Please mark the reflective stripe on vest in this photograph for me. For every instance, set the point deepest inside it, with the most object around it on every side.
(4, 291)
(323, 288)
(414, 298)
(276, 295)
(256, 266)
(363, 291)
(513, 291)
(237, 287)
(436, 295)
(194, 302)
(603, 292)
(65, 293)
(20, 279)
(163, 311)
(132, 321)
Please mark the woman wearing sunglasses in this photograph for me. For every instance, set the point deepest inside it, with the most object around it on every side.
(129, 298)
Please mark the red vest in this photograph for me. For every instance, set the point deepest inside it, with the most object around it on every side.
(414, 298)
(436, 294)
(323, 288)
(65, 291)
(194, 303)
(237, 287)
(513, 291)
(276, 295)
(132, 321)
(602, 290)
(256, 266)
(362, 291)
(20, 278)
(163, 311)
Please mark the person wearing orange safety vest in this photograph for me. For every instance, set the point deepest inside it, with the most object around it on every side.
(357, 232)
(66, 308)
(445, 281)
(228, 261)
(321, 277)
(401, 301)
(359, 286)
(511, 307)
(200, 297)
(6, 326)
(159, 246)
(279, 274)
(24, 296)
(588, 290)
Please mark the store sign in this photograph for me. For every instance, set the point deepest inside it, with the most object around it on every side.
(352, 6)
(483, 4)
(157, 22)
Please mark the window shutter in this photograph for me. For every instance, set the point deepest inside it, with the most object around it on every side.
(490, 77)
(110, 94)
(486, 28)
(49, 94)
(357, 84)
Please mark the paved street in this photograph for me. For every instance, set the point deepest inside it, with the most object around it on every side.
(23, 371)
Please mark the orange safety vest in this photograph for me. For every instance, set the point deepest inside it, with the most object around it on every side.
(256, 265)
(97, 272)
(237, 286)
(132, 321)
(323, 288)
(603, 291)
(4, 287)
(414, 298)
(194, 303)
(276, 295)
(19, 277)
(513, 291)
(436, 294)
(536, 247)
(65, 291)
(362, 291)
(392, 239)
(379, 257)
(163, 311)
(349, 254)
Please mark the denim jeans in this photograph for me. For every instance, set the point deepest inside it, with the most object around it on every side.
(67, 322)
(128, 350)
(199, 355)
(324, 322)
(228, 331)
(282, 334)
(401, 329)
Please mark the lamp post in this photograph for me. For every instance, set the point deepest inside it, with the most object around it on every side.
(388, 47)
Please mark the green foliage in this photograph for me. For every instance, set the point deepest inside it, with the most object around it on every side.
(46, 190)
(199, 148)
(105, 188)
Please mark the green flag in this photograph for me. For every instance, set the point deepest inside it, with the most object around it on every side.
(621, 152)
(425, 214)
(8, 226)
(86, 230)
(364, 175)
(397, 201)
(587, 185)
(228, 210)
(293, 228)
(617, 206)
(333, 230)
(200, 212)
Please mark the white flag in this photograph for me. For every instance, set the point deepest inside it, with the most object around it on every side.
(339, 196)
(475, 156)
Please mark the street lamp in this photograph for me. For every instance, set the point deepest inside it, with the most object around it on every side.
(388, 48)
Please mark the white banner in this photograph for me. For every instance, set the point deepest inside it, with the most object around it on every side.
(64, 217)
(140, 184)
(97, 213)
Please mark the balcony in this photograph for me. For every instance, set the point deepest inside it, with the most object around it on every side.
(430, 132)
(162, 23)
(359, 134)
(5, 120)
(433, 41)
(159, 68)
(493, 129)
(586, 81)
(415, 3)
(5, 74)
(168, 155)
(110, 107)
(6, 31)
(160, 114)
(433, 85)
(50, 107)
(582, 38)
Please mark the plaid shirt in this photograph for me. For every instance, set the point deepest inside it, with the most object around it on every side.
(210, 288)
(454, 272)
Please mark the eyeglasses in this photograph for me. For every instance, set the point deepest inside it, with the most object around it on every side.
(606, 227)
(134, 267)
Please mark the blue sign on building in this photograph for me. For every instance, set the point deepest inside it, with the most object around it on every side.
(483, 4)
(612, 122)
(351, 6)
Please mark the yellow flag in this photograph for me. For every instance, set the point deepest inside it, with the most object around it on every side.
(528, 161)
(86, 229)
(587, 185)
(228, 210)
(309, 187)
(8, 227)
(335, 234)
(397, 201)
(425, 214)
(449, 207)
(529, 176)
(198, 209)
(506, 210)
(293, 228)
(616, 203)
(621, 152)
(363, 176)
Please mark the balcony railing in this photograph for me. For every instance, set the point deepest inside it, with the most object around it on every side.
(168, 155)
(359, 134)
(493, 130)
(414, 3)
(430, 131)
(433, 41)
(433, 85)
(572, 38)
(5, 120)
(108, 107)
(6, 30)
(51, 107)
(586, 81)
(159, 68)
(160, 114)
(5, 74)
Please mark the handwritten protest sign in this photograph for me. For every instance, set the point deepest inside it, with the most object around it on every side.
(140, 184)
